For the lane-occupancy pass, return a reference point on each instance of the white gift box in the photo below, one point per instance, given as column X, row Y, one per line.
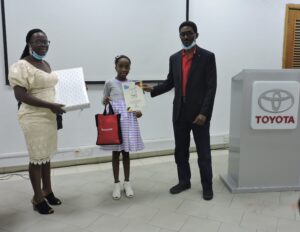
column 71, row 90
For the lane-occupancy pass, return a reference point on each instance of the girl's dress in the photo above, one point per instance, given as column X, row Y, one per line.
column 132, row 140
column 38, row 124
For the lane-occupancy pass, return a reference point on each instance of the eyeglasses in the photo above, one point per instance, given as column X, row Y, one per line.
column 41, row 43
column 188, row 34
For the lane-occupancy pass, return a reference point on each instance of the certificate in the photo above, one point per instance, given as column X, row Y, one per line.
column 70, row 89
column 134, row 96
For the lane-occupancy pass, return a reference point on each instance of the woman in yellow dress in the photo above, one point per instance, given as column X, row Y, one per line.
column 33, row 83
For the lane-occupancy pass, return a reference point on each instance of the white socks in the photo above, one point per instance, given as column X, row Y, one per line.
column 127, row 189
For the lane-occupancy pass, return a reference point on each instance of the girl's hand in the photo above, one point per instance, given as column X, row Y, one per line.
column 106, row 100
column 138, row 114
column 57, row 108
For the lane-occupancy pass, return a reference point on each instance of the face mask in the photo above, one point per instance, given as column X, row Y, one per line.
column 190, row 46
column 35, row 55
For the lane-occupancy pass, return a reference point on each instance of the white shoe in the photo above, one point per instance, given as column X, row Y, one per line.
column 117, row 191
column 128, row 189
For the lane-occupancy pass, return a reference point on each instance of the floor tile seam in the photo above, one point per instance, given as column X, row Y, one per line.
column 196, row 216
column 86, row 227
column 173, row 211
column 204, row 218
column 280, row 217
column 148, row 223
column 259, row 212
column 140, row 223
column 124, row 227
column 220, row 226
column 157, row 211
column 224, row 222
column 259, row 227
column 277, row 224
column 185, row 221
column 142, row 205
column 104, row 214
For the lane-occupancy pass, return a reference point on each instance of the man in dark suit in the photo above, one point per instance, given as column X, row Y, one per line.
column 192, row 72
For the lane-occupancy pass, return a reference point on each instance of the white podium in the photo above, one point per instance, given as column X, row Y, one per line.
column 264, row 147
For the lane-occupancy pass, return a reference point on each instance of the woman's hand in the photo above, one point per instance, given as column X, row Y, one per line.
column 106, row 100
column 57, row 108
column 138, row 114
column 22, row 95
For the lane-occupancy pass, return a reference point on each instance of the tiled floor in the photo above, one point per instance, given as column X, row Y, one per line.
column 89, row 207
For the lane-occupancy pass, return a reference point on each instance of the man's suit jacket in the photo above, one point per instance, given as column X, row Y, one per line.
column 201, row 84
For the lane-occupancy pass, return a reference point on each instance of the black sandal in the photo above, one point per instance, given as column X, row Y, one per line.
column 42, row 207
column 52, row 200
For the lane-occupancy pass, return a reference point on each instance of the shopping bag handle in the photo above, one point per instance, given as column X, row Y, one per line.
column 110, row 109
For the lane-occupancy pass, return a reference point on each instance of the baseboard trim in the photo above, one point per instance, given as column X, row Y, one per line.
column 93, row 155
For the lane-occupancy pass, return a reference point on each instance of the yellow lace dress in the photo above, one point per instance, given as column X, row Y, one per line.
column 38, row 124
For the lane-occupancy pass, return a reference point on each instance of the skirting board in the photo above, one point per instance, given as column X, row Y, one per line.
column 14, row 162
column 233, row 188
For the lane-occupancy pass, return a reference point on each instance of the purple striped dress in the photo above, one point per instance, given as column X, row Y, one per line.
column 132, row 140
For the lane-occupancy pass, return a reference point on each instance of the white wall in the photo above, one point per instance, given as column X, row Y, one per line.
column 79, row 133
column 243, row 34
column 132, row 24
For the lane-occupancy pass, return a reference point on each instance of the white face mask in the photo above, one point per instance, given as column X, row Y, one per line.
column 190, row 46
column 35, row 55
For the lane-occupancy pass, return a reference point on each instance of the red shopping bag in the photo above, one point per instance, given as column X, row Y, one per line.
column 108, row 127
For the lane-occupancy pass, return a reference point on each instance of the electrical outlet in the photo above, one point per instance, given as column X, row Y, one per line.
column 81, row 152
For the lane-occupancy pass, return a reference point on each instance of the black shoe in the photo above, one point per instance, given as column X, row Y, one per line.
column 52, row 200
column 180, row 187
column 42, row 207
column 208, row 194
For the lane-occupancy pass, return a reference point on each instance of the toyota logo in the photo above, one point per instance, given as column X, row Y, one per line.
column 276, row 101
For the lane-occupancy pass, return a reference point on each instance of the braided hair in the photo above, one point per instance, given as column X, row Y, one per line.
column 117, row 58
column 28, row 37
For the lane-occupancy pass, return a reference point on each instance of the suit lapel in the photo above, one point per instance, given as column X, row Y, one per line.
column 195, row 63
column 178, row 65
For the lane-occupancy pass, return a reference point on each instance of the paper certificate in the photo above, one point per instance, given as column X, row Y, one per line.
column 134, row 96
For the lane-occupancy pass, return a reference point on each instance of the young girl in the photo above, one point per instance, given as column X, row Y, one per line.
column 132, row 140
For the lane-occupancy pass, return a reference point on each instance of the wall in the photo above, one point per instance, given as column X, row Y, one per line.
column 242, row 35
column 74, row 38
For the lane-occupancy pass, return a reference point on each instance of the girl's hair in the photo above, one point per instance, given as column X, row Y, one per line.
column 28, row 37
column 117, row 58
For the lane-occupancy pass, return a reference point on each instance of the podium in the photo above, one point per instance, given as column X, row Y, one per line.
column 264, row 146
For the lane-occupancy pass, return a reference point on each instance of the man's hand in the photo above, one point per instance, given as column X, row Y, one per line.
column 106, row 100
column 147, row 88
column 138, row 114
column 200, row 120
